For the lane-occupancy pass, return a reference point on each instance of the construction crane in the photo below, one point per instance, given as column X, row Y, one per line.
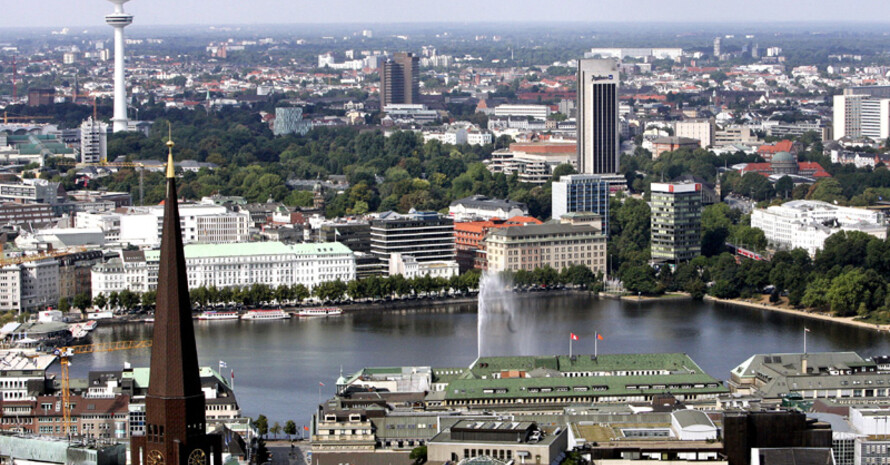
column 7, row 118
column 120, row 164
column 65, row 354
column 36, row 257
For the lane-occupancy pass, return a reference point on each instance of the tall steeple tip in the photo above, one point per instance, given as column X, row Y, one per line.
column 171, row 171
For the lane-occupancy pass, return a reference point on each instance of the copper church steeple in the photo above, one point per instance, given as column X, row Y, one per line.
column 175, row 426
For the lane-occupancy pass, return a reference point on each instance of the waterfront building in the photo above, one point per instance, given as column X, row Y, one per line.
column 806, row 224
column 676, row 221
column 598, row 126
column 399, row 80
column 537, row 246
column 533, row 162
column 427, row 236
column 30, row 285
column 469, row 238
column 175, row 407
column 483, row 208
column 410, row 268
column 533, row 111
column 231, row 265
column 75, row 276
column 353, row 234
column 93, row 141
column 289, row 120
column 842, row 376
column 582, row 193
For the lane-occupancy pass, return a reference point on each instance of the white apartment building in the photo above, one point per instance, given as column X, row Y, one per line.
column 30, row 190
column 29, row 285
column 806, row 224
column 555, row 245
column 93, row 141
column 109, row 223
column 232, row 265
column 535, row 111
column 861, row 116
column 18, row 370
column 410, row 268
column 204, row 224
column 702, row 129
column 459, row 136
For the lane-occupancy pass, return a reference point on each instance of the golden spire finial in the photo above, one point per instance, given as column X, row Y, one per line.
column 171, row 171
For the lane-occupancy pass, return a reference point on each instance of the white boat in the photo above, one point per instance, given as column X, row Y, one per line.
column 213, row 316
column 265, row 315
column 149, row 320
column 320, row 311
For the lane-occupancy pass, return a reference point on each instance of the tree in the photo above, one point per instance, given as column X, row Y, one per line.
column 290, row 429
column 63, row 305
column 100, row 301
column 148, row 298
column 275, row 429
column 262, row 425
column 418, row 455
column 564, row 169
column 82, row 301
column 114, row 299
column 827, row 190
column 128, row 299
column 640, row 279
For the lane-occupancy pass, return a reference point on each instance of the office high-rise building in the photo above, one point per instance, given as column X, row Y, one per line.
column 582, row 193
column 717, row 47
column 598, row 126
column 676, row 221
column 399, row 80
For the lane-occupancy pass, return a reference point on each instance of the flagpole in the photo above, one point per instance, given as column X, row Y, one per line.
column 804, row 340
column 570, row 346
column 596, row 336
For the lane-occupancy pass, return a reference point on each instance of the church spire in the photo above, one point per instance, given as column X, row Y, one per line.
column 174, row 407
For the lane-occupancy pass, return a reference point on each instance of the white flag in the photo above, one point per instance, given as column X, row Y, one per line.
column 222, row 364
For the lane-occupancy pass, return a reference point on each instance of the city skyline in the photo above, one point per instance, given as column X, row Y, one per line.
column 59, row 13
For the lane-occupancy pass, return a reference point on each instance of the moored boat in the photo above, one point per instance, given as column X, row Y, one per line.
column 320, row 311
column 213, row 316
column 276, row 314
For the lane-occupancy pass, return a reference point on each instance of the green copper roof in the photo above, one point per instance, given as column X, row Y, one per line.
column 255, row 248
column 586, row 363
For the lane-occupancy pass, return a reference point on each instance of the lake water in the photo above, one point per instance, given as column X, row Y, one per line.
column 279, row 364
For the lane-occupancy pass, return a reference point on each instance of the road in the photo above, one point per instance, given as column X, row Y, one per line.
column 282, row 454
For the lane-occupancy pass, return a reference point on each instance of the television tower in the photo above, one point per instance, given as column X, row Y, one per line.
column 119, row 20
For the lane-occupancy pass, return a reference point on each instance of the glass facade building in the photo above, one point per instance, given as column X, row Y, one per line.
column 676, row 221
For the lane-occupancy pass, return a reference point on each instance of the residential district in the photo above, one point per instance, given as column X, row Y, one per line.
column 613, row 169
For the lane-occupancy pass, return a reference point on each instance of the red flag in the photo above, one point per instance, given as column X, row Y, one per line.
column 321, row 384
column 233, row 373
column 573, row 336
column 306, row 428
column 599, row 337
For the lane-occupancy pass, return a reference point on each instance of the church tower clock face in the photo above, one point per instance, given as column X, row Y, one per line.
column 155, row 457
column 197, row 457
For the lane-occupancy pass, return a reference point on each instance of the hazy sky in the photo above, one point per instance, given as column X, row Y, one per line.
column 79, row 13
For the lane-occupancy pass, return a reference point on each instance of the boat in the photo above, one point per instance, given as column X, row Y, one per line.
column 149, row 320
column 213, row 316
column 320, row 311
column 277, row 314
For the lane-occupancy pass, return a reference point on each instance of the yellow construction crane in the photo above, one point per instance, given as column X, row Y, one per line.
column 37, row 257
column 65, row 353
column 118, row 164
column 7, row 118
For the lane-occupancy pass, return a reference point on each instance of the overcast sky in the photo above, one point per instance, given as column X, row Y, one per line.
column 61, row 13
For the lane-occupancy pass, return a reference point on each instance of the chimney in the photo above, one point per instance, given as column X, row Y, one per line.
column 803, row 365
